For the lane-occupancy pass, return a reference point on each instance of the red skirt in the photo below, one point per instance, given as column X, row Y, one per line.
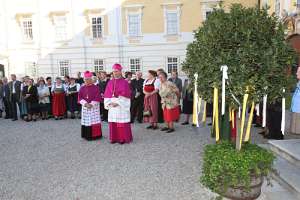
column 58, row 104
column 171, row 115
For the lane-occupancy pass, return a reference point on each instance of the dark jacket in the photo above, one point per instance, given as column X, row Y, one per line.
column 6, row 92
column 1, row 91
column 177, row 82
column 102, row 85
column 33, row 98
column 137, row 86
column 17, row 89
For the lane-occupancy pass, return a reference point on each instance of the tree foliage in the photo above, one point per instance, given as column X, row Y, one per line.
column 251, row 43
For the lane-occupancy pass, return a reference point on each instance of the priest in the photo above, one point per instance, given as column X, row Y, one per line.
column 117, row 101
column 89, row 98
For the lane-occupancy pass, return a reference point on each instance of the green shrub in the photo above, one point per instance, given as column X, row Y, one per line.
column 225, row 167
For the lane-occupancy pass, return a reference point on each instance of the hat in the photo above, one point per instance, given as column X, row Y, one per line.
column 88, row 74
column 117, row 67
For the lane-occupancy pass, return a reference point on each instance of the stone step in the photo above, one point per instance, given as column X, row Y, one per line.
column 288, row 175
column 287, row 149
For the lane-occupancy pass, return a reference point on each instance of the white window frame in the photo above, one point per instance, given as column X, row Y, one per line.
column 67, row 66
column 172, row 63
column 139, row 31
column 172, row 11
column 91, row 26
column 61, row 26
column 27, row 32
column 31, row 69
column 97, row 65
column 133, row 66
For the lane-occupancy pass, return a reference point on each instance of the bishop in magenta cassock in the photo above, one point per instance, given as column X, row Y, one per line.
column 89, row 98
column 117, row 101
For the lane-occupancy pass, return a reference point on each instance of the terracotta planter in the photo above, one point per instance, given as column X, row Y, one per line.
column 240, row 192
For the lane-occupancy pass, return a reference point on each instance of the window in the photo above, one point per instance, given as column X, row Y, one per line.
column 298, row 3
column 27, row 29
column 60, row 28
column 207, row 13
column 172, row 23
column 64, row 68
column 277, row 7
column 134, row 25
column 97, row 27
column 98, row 65
column 135, row 64
column 172, row 64
column 31, row 69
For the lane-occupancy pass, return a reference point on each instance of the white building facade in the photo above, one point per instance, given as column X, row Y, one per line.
column 63, row 37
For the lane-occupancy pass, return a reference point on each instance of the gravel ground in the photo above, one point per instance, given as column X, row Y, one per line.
column 48, row 160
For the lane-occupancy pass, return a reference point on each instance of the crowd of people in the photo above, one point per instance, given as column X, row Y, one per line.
column 117, row 98
column 153, row 99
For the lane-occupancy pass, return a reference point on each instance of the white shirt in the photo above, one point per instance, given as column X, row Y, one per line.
column 13, row 87
column 156, row 83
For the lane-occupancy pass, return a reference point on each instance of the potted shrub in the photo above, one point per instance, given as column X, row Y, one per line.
column 235, row 174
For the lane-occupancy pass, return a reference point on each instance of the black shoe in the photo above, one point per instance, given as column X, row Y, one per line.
column 154, row 127
column 170, row 130
column 14, row 119
column 56, row 118
column 185, row 123
column 149, row 127
column 164, row 129
column 34, row 120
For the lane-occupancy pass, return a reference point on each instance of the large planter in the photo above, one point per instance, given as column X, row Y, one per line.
column 240, row 192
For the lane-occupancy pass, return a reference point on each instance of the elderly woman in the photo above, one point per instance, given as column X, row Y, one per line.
column 44, row 99
column 295, row 122
column 169, row 94
column 89, row 98
column 58, row 99
column 150, row 89
column 30, row 94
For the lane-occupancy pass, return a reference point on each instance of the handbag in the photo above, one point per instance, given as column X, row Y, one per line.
column 147, row 113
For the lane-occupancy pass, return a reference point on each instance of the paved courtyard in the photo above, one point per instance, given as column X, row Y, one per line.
column 48, row 160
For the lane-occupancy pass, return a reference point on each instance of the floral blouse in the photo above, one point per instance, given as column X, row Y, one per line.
column 168, row 93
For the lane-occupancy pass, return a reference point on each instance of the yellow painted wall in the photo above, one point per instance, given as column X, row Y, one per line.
column 191, row 13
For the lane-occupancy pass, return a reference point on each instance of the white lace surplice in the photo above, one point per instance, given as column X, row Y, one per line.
column 121, row 113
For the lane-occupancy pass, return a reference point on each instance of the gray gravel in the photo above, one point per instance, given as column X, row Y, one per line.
column 48, row 160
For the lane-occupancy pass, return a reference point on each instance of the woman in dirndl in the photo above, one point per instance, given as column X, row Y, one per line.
column 169, row 98
column 295, row 108
column 58, row 99
column 72, row 97
column 151, row 86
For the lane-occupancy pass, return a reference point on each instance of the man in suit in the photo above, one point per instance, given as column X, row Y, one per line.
column 15, row 95
column 137, row 106
column 6, row 98
column 102, row 83
column 177, row 81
